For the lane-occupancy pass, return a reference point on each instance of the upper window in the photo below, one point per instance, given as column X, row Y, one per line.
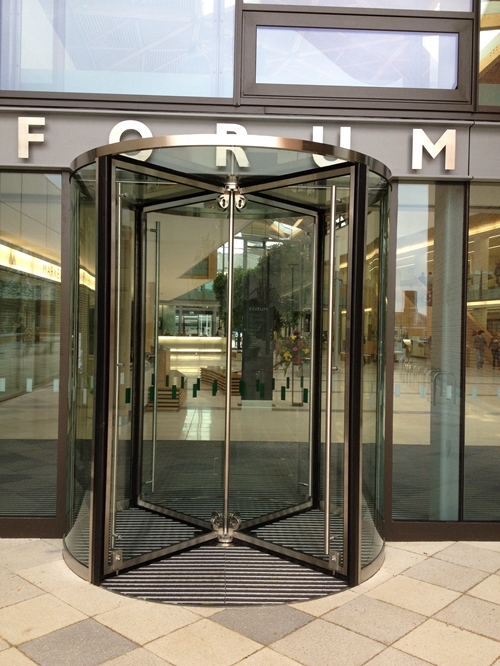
column 417, row 5
column 489, row 59
column 341, row 55
column 360, row 58
column 129, row 47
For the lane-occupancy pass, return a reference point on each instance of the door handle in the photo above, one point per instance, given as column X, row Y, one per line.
column 329, row 377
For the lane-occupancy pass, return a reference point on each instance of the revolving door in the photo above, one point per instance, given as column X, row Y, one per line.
column 227, row 371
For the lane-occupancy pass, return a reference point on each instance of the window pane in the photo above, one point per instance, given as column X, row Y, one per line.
column 427, row 339
column 489, row 57
column 482, row 406
column 30, row 301
column 419, row 5
column 359, row 58
column 128, row 47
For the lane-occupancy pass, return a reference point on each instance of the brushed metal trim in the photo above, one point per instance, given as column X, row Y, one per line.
column 233, row 141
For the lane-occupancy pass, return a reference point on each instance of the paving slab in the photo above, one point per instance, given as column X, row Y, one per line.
column 392, row 657
column 50, row 576
column 36, row 617
column 12, row 657
column 398, row 560
column 143, row 621
column 86, row 643
column 267, row 657
column 422, row 547
column 445, row 645
column 414, row 595
column 264, row 624
column 483, row 559
column 138, row 657
column 488, row 589
column 376, row 619
column 204, row 643
column 481, row 617
column 25, row 555
column 14, row 589
column 446, row 574
column 319, row 607
column 321, row 643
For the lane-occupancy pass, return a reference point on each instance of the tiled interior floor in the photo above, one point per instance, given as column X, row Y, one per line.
column 431, row 603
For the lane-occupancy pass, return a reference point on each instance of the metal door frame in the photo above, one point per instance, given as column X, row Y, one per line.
column 105, row 311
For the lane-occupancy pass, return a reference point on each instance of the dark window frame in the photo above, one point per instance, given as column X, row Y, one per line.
column 256, row 93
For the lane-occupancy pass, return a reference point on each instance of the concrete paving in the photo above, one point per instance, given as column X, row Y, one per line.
column 431, row 603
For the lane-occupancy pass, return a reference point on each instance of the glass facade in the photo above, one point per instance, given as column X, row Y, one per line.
column 358, row 58
column 482, row 356
column 489, row 63
column 118, row 47
column 418, row 5
column 427, row 351
column 30, row 301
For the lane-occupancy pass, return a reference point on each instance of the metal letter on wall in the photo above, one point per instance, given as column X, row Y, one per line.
column 115, row 136
column 447, row 141
column 345, row 142
column 221, row 151
column 24, row 138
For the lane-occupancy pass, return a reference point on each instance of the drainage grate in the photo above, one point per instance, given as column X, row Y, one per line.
column 224, row 576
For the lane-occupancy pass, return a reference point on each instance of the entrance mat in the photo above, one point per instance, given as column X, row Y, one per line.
column 215, row 575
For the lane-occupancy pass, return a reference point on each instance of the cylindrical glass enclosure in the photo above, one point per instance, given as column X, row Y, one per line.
column 228, row 365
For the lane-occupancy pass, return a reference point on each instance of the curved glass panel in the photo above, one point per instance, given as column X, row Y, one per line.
column 119, row 47
column 374, row 313
column 251, row 164
column 82, row 371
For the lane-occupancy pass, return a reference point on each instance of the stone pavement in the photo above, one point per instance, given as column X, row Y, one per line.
column 431, row 603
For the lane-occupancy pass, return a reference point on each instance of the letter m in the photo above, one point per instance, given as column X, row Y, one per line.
column 447, row 141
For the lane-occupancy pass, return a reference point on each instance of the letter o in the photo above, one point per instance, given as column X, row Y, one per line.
column 126, row 125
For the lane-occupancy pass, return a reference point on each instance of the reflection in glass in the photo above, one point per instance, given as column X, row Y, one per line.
column 185, row 365
column 118, row 47
column 82, row 371
column 419, row 5
column 489, row 62
column 482, row 401
column 427, row 352
column 374, row 369
column 269, row 456
column 30, row 301
column 357, row 58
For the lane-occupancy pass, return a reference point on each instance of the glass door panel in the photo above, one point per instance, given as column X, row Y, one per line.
column 272, row 314
column 151, row 254
column 185, row 361
column 314, row 480
column 121, row 545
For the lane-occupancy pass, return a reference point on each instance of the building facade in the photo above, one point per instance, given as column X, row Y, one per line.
column 415, row 85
